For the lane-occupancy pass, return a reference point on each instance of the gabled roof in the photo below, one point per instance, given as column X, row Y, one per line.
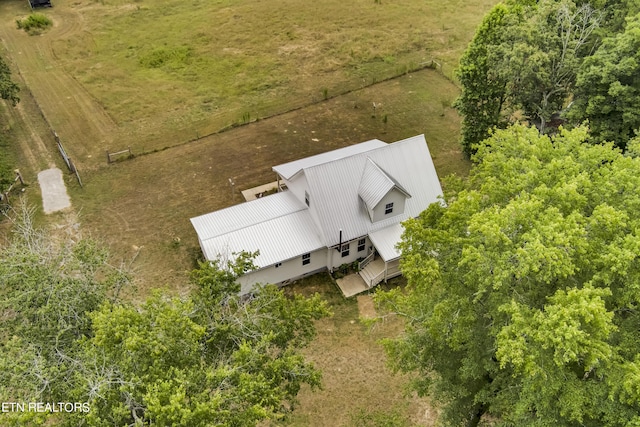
column 283, row 227
column 279, row 226
column 288, row 170
column 245, row 214
column 375, row 184
column 334, row 187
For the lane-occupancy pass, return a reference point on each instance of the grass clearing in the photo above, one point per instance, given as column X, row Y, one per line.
column 357, row 385
column 168, row 71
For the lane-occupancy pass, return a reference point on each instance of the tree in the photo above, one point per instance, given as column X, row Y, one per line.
column 483, row 86
column 543, row 55
column 8, row 89
column 214, row 359
column 608, row 87
column 523, row 62
column 211, row 358
column 48, row 285
column 523, row 291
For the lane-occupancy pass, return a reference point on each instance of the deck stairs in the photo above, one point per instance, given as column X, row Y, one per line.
column 373, row 272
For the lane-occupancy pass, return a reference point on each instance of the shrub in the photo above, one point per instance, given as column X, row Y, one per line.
column 34, row 23
column 176, row 57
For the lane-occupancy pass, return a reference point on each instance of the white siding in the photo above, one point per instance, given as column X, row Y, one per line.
column 338, row 259
column 289, row 270
column 394, row 196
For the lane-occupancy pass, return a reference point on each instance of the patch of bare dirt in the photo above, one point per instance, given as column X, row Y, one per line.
column 366, row 308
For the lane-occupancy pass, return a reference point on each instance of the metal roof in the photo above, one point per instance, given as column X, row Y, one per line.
column 282, row 227
column 288, row 170
column 279, row 226
column 375, row 184
column 385, row 241
column 246, row 214
column 334, row 187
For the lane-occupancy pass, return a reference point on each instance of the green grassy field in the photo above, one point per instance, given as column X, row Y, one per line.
column 169, row 71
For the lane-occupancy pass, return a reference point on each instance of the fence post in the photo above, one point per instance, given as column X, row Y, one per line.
column 19, row 176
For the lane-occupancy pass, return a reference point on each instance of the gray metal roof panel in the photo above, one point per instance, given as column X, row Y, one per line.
column 277, row 239
column 245, row 214
column 334, row 188
column 288, row 170
column 385, row 241
column 374, row 184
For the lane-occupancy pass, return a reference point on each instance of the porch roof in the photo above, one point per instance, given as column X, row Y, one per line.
column 385, row 241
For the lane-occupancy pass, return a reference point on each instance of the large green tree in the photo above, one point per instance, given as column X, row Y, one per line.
column 48, row 285
column 524, row 289
column 210, row 358
column 523, row 62
column 483, row 85
column 213, row 359
column 608, row 87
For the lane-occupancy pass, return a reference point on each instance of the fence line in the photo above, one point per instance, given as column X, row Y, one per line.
column 66, row 158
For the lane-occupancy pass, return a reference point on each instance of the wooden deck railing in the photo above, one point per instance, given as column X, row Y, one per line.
column 377, row 278
column 362, row 264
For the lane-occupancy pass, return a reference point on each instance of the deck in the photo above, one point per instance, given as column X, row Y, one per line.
column 368, row 277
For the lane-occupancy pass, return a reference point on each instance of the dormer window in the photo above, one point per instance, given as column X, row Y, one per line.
column 388, row 208
column 306, row 198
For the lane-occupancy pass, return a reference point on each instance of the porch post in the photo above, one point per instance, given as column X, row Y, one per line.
column 385, row 272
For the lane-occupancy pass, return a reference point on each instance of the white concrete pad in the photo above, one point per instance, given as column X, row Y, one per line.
column 54, row 192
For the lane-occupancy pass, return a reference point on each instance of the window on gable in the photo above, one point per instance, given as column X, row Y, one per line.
column 361, row 244
column 306, row 259
column 345, row 250
column 388, row 208
column 306, row 198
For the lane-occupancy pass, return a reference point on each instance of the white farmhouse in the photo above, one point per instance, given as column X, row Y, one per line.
column 332, row 208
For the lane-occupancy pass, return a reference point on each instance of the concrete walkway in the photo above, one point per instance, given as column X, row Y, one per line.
column 54, row 192
column 352, row 285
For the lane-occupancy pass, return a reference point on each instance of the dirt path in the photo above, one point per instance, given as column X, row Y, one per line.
column 67, row 106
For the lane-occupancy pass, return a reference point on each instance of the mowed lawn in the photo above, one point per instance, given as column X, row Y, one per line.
column 168, row 71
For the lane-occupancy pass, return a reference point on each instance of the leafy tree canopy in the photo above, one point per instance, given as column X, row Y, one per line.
column 213, row 358
column 608, row 87
column 524, row 290
column 524, row 61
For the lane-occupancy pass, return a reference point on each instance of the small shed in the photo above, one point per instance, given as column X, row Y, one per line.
column 39, row 3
